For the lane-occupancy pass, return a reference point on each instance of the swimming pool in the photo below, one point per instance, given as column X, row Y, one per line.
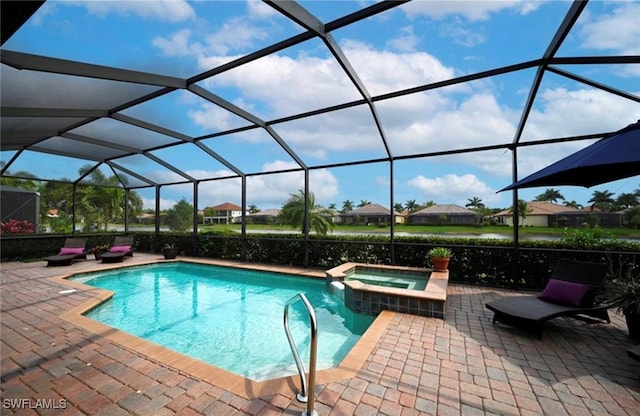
column 230, row 318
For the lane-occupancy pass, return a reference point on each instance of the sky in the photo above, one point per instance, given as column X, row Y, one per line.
column 411, row 45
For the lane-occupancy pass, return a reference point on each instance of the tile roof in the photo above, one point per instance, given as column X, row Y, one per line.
column 370, row 209
column 448, row 209
column 541, row 208
column 266, row 212
column 227, row 206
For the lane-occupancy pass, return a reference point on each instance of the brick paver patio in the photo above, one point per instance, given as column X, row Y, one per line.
column 462, row 365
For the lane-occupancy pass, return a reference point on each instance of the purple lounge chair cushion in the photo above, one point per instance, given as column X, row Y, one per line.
column 120, row 249
column 70, row 250
column 564, row 293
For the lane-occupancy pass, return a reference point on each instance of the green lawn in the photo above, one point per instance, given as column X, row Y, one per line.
column 427, row 229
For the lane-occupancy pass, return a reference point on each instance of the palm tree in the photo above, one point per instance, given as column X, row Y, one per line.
column 98, row 205
column 135, row 204
column 523, row 209
column 293, row 211
column 602, row 200
column 253, row 209
column 550, row 195
column 474, row 202
column 410, row 205
column 332, row 207
column 572, row 204
column 363, row 203
column 347, row 206
column 28, row 184
column 56, row 195
column 633, row 216
column 397, row 207
column 627, row 200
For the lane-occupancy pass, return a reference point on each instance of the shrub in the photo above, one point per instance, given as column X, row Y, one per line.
column 585, row 237
column 17, row 227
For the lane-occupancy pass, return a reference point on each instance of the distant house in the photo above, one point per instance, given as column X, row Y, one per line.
column 331, row 214
column 539, row 214
column 371, row 214
column 266, row 216
column 445, row 214
column 147, row 218
column 590, row 217
column 226, row 213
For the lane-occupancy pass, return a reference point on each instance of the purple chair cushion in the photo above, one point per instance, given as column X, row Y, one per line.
column 120, row 249
column 564, row 293
column 71, row 250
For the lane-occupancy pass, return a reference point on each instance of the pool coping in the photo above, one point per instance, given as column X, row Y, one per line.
column 226, row 380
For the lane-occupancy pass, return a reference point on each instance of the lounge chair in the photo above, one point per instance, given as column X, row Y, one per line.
column 74, row 249
column 120, row 249
column 571, row 291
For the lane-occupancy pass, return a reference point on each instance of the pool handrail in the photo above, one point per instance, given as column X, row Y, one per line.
column 306, row 394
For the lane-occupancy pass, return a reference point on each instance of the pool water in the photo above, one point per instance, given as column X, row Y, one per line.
column 228, row 317
column 401, row 280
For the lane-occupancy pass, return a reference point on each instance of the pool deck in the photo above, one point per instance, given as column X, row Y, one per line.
column 406, row 365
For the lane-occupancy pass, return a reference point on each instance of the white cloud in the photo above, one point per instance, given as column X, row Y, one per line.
column 473, row 122
column 467, row 115
column 235, row 35
column 561, row 112
column 460, row 33
column 258, row 9
column 471, row 10
column 211, row 117
column 275, row 189
column 212, row 193
column 456, row 188
column 45, row 10
column 177, row 44
column 383, row 71
column 326, row 138
column 406, row 40
column 167, row 11
column 212, row 45
column 281, row 84
column 618, row 31
column 456, row 16
column 383, row 181
column 150, row 203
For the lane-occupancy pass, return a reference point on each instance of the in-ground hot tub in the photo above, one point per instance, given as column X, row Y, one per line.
column 371, row 288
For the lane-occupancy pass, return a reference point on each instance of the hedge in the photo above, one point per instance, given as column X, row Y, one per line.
column 491, row 262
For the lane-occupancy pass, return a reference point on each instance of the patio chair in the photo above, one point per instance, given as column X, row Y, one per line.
column 121, row 248
column 74, row 249
column 571, row 291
